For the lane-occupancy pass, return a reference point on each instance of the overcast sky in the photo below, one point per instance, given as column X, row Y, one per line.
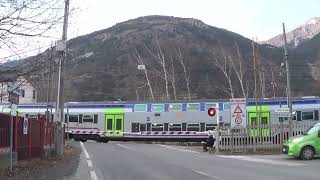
column 250, row 18
column 260, row 19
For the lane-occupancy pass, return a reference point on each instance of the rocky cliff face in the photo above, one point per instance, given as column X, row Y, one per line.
column 302, row 33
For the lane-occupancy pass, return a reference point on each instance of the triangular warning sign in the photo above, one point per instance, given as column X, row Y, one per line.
column 238, row 110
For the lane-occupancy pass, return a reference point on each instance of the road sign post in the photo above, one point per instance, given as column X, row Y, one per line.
column 238, row 112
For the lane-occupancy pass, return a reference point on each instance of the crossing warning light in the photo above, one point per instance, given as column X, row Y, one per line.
column 211, row 112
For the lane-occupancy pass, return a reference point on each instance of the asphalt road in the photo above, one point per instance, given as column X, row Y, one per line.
column 130, row 161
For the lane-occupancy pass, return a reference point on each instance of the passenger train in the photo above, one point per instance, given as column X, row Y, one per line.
column 166, row 121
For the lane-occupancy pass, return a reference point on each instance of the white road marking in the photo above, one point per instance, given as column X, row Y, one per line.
column 93, row 175
column 265, row 161
column 89, row 163
column 85, row 151
column 205, row 174
column 184, row 150
column 124, row 146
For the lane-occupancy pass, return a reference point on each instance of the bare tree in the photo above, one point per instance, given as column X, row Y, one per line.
column 223, row 65
column 160, row 58
column 185, row 71
column 238, row 68
column 140, row 61
column 23, row 19
column 173, row 78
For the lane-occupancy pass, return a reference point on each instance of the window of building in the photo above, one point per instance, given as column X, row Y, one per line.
column 140, row 108
column 193, row 107
column 157, row 127
column 22, row 93
column 193, row 127
column 73, row 118
column 210, row 105
column 87, row 118
column 210, row 127
column 34, row 94
column 175, row 127
column 175, row 107
column 307, row 115
column 157, row 107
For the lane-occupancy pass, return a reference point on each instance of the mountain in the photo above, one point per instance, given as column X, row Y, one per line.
column 302, row 33
column 204, row 59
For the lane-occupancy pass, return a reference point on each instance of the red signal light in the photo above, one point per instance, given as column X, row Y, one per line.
column 211, row 112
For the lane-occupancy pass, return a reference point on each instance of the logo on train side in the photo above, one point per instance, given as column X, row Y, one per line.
column 148, row 118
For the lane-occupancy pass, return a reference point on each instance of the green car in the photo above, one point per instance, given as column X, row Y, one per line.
column 305, row 146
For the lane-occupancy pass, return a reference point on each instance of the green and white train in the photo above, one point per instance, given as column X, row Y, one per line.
column 166, row 121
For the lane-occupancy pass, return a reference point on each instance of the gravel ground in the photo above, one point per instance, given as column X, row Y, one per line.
column 53, row 168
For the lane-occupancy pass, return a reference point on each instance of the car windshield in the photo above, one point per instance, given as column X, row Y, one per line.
column 312, row 130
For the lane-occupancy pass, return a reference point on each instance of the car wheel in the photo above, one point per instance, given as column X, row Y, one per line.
column 307, row 153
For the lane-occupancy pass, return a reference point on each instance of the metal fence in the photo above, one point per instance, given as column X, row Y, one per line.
column 30, row 137
column 259, row 137
column 4, row 131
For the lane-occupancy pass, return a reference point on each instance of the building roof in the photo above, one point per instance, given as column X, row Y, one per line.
column 13, row 75
column 8, row 75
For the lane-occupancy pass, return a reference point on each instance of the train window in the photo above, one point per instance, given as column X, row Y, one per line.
column 87, row 118
column 253, row 121
column 118, row 124
column 294, row 117
column 210, row 105
column 109, row 124
column 210, row 127
column 193, row 107
column 157, row 107
column 281, row 119
column 175, row 107
column 202, row 127
column 175, row 127
column 307, row 115
column 193, row 127
column 226, row 106
column 96, row 118
column 140, row 108
column 264, row 120
column 143, row 127
column 135, row 127
column 316, row 115
column 157, row 127
column 73, row 118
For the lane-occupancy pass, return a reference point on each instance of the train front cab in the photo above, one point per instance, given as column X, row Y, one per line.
column 258, row 121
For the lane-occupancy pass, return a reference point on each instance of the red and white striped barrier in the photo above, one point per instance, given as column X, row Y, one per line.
column 96, row 131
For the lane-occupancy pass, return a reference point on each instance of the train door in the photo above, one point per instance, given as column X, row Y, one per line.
column 264, row 119
column 114, row 123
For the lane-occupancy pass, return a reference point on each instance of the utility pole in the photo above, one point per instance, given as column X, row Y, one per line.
column 285, row 46
column 60, row 101
column 48, row 114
